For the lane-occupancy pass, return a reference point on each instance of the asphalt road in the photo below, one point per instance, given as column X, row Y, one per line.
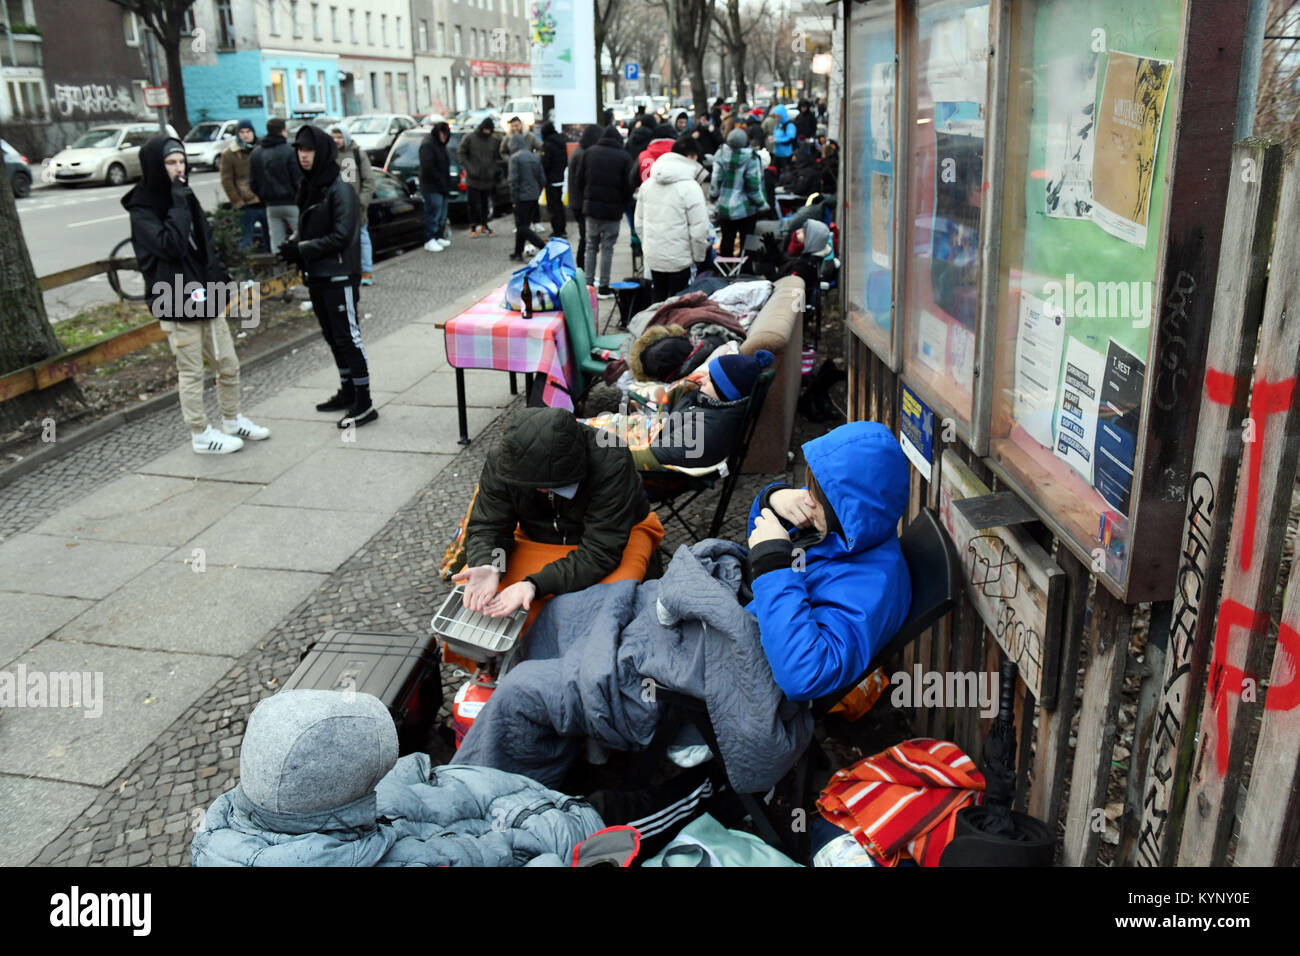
column 70, row 226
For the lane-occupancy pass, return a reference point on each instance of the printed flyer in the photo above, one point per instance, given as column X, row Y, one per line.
column 1040, row 339
column 1117, row 426
column 1128, row 135
column 1076, row 420
column 882, row 112
column 1071, row 129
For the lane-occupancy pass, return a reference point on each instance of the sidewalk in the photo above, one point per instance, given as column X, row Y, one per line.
column 193, row 583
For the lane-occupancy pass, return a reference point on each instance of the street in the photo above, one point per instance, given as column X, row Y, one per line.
column 70, row 226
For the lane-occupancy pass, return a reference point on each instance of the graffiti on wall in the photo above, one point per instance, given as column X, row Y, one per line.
column 92, row 99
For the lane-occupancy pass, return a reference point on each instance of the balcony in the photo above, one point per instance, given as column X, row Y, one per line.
column 26, row 48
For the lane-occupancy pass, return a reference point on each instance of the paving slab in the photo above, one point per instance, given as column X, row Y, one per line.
column 28, row 619
column 297, row 539
column 140, row 694
column 171, row 607
column 300, row 404
column 70, row 567
column 34, row 812
column 393, row 366
column 148, row 509
column 257, row 462
column 421, row 428
column 483, row 389
column 352, row 479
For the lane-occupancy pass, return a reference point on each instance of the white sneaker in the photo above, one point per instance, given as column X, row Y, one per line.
column 243, row 428
column 433, row 245
column 212, row 442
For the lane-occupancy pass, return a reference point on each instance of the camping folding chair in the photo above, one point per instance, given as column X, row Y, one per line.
column 935, row 573
column 675, row 490
column 580, row 325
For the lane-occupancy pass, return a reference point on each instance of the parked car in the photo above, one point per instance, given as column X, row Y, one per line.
column 109, row 154
column 469, row 119
column 404, row 162
column 523, row 108
column 395, row 216
column 291, row 126
column 20, row 174
column 428, row 119
column 206, row 141
column 376, row 132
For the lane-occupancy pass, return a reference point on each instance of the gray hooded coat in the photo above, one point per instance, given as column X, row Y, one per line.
column 527, row 177
column 321, row 785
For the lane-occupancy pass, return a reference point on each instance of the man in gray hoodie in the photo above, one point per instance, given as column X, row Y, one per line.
column 527, row 182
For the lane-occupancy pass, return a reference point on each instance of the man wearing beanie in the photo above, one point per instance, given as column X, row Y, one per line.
column 274, row 175
column 235, row 180
column 738, row 190
column 844, row 525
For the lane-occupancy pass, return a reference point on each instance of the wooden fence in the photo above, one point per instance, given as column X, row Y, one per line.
column 1213, row 771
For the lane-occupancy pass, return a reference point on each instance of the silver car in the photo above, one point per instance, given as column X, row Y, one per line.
column 206, row 141
column 104, row 154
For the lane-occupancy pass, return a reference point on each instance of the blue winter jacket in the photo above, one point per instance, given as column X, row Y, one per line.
column 783, row 137
column 822, row 623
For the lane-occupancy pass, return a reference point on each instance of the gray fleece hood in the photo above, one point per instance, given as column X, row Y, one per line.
column 307, row 754
column 347, row 137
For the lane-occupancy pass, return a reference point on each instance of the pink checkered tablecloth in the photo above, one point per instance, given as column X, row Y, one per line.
column 488, row 335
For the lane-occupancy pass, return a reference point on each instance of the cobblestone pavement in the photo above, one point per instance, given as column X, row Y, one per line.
column 148, row 815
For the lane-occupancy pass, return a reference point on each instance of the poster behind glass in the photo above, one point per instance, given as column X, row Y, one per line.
column 945, row 179
column 1090, row 114
column 870, row 162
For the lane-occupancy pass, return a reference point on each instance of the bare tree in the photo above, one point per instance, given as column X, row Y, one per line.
column 25, row 333
column 649, row 25
column 165, row 19
column 773, row 39
column 736, row 30
column 620, row 35
column 1277, row 108
column 692, row 25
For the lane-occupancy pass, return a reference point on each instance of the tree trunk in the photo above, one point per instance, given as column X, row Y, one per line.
column 175, row 82
column 699, row 90
column 738, row 56
column 25, row 333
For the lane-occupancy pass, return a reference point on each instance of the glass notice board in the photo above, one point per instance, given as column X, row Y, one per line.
column 1089, row 118
column 947, row 108
column 870, row 166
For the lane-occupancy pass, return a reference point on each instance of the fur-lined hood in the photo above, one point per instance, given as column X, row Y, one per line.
column 651, row 335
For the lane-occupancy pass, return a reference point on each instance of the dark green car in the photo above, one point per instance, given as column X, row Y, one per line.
column 404, row 162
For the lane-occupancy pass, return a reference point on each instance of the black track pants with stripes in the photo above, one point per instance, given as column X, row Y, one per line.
column 336, row 310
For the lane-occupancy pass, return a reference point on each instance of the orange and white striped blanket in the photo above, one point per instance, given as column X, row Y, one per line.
column 903, row 802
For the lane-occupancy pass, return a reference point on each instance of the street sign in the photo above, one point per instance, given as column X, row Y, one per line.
column 631, row 71
column 157, row 97
column 250, row 102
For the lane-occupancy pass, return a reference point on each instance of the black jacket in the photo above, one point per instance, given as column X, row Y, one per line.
column 172, row 238
column 435, row 164
column 590, row 136
column 547, row 448
column 329, row 216
column 273, row 171
column 604, row 178
column 805, row 123
column 479, row 156
column 555, row 153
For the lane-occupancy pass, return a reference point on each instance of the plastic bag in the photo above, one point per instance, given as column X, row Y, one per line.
column 546, row 274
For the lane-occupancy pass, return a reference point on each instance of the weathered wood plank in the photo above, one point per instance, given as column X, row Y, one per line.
column 1103, row 684
column 1243, row 263
column 1152, row 670
column 1270, row 822
column 1271, row 435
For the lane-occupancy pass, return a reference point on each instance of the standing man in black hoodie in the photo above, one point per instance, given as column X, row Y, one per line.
column 327, row 247
column 182, row 272
column 590, row 136
column 605, row 182
column 435, row 185
column 477, row 155
column 274, row 174
column 555, row 154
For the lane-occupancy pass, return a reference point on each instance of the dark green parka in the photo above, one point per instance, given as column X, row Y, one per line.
column 547, row 448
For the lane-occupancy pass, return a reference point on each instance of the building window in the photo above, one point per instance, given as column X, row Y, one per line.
column 456, row 42
column 397, row 32
column 442, row 38
column 352, row 24
column 316, row 32
column 187, row 22
column 446, row 96
column 300, row 87
column 423, row 31
column 225, row 25
column 275, row 19
column 131, row 27
column 489, row 3
column 334, row 24
column 383, row 27
column 473, row 42
column 319, row 96
column 370, row 28
column 428, row 96
column 334, row 99
column 293, row 18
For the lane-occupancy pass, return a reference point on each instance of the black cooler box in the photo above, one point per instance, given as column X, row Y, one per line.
column 399, row 669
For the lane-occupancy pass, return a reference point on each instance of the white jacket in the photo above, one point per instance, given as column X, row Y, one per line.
column 672, row 218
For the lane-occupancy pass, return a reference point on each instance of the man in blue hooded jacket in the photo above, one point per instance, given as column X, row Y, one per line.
column 783, row 136
column 831, row 597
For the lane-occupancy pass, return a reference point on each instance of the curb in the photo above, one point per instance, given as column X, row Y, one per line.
column 88, row 433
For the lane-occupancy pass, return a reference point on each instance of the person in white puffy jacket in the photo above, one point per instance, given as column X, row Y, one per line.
column 672, row 219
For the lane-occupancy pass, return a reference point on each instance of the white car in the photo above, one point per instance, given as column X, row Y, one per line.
column 108, row 153
column 206, row 141
column 376, row 132
column 523, row 108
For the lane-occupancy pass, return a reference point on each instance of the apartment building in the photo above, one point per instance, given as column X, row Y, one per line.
column 470, row 54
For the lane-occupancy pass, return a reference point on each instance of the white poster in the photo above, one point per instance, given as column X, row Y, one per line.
column 957, row 70
column 1039, row 341
column 882, row 112
column 932, row 343
column 1076, row 419
column 962, row 361
column 1071, row 135
column 562, row 40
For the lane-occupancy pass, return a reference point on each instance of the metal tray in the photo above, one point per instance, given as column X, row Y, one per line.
column 473, row 634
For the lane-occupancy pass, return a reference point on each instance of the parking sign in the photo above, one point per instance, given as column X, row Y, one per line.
column 631, row 71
